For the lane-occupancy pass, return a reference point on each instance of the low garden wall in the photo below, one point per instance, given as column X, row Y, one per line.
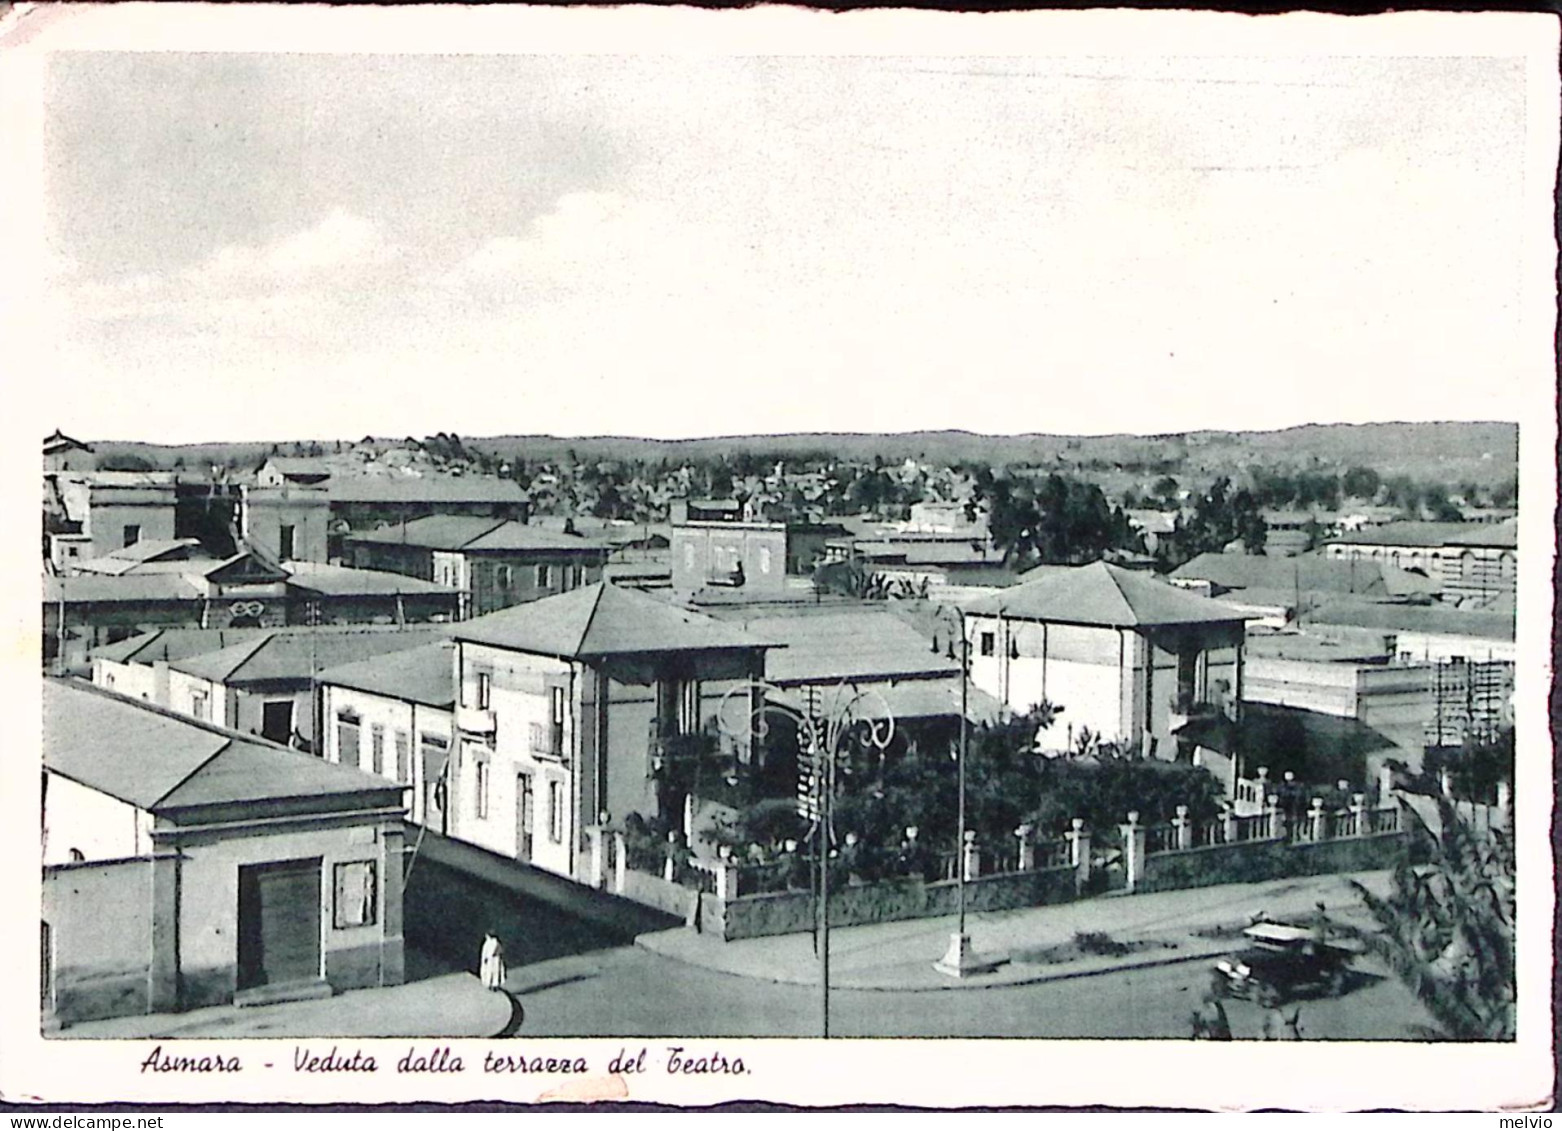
column 1270, row 859
column 781, row 913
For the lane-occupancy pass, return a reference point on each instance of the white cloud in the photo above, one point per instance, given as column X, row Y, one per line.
column 339, row 241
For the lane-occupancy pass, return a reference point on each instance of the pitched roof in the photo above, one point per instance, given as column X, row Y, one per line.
column 602, row 620
column 1107, row 595
column 60, row 442
column 174, row 644
column 1432, row 534
column 342, row 581
column 297, row 654
column 851, row 643
column 912, row 699
column 433, row 489
column 127, row 558
column 433, row 532
column 303, row 465
column 156, row 760
column 522, row 536
column 91, row 589
column 1437, row 619
column 417, row 675
column 1305, row 572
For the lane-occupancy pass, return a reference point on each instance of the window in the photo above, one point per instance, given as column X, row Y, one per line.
column 198, row 705
column 504, row 577
column 544, row 576
column 353, row 895
column 556, row 812
column 403, row 757
column 482, row 789
column 485, row 684
column 285, row 542
column 989, row 644
column 132, row 534
column 347, row 741
column 377, row 748
column 580, row 576
column 276, row 720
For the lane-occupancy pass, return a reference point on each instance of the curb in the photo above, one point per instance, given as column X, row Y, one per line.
column 1040, row 976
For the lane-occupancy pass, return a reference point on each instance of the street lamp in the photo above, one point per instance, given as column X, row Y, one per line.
column 958, row 960
column 823, row 733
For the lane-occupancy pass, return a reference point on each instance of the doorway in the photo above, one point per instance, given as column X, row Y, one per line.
column 279, row 923
column 276, row 720
column 524, row 820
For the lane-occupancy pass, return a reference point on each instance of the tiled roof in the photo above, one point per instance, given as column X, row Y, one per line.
column 429, row 488
column 174, row 644
column 1106, row 595
column 602, row 620
column 1304, row 572
column 433, row 532
column 126, row 558
column 61, row 442
column 521, row 536
column 340, row 581
column 1438, row 619
column 297, row 654
column 851, row 643
column 90, row 589
column 159, row 761
column 416, row 675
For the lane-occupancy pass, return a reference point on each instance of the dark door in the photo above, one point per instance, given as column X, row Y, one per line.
column 435, row 787
column 279, row 923
column 523, row 816
column 276, row 720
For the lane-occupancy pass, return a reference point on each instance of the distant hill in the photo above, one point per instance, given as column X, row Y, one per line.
column 1485, row 452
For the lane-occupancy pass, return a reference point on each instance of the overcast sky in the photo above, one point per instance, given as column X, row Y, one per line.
column 253, row 246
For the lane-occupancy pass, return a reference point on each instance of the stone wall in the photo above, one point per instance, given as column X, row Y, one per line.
column 100, row 920
column 780, row 913
column 1257, row 860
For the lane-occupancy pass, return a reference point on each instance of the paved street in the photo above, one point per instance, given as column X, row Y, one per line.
column 632, row 992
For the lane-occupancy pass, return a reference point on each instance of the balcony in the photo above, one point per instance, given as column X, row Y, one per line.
column 547, row 741
column 475, row 720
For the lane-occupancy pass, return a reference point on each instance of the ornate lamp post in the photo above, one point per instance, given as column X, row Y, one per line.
column 958, row 960
column 822, row 737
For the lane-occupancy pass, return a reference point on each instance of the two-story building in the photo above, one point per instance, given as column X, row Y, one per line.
column 496, row 563
column 570, row 707
column 393, row 715
column 1127, row 657
column 101, row 511
column 720, row 543
column 61, row 453
column 187, row 865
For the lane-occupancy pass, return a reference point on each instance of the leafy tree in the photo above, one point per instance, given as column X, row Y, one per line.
column 1360, row 483
column 127, row 461
column 1447, row 929
column 1219, row 518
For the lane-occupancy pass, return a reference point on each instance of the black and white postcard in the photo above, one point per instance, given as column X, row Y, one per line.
column 683, row 557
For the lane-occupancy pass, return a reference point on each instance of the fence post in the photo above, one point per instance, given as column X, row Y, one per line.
column 1079, row 853
column 1027, row 855
column 1315, row 820
column 1228, row 822
column 1272, row 829
column 596, row 835
column 970, row 857
column 726, row 875
column 1133, row 851
column 1182, row 830
column 1358, row 814
column 620, row 862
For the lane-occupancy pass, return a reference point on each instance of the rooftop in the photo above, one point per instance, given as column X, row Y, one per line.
column 417, row 675
column 90, row 589
column 127, row 558
column 602, row 620
column 428, row 488
column 157, row 761
column 174, row 644
column 290, row 655
column 341, row 581
column 1305, row 572
column 475, row 534
column 1435, row 534
column 1108, row 596
column 1436, row 619
column 59, row 442
column 851, row 643
column 912, row 699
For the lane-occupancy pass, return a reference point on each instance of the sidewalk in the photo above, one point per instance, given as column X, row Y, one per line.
column 1159, row 928
column 450, row 1005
